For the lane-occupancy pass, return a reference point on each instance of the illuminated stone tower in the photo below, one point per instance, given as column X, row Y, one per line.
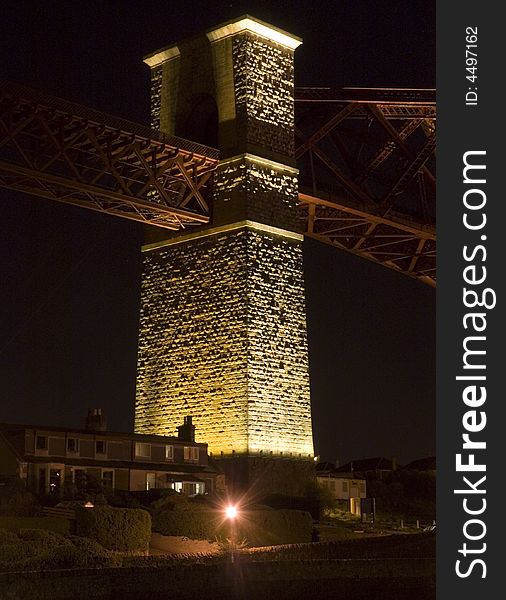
column 223, row 325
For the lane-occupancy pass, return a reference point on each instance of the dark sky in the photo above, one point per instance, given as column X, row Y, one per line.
column 70, row 278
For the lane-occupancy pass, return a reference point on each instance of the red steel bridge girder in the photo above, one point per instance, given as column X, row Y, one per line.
column 367, row 184
column 365, row 155
column 65, row 152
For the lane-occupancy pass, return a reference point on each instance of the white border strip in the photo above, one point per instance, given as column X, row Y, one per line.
column 257, row 27
column 222, row 229
column 153, row 60
column 259, row 160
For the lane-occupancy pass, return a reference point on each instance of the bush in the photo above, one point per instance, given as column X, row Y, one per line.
column 57, row 524
column 272, row 527
column 123, row 529
column 33, row 549
column 197, row 525
column 260, row 527
column 16, row 500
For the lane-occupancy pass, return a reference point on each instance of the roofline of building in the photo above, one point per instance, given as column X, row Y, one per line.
column 132, row 436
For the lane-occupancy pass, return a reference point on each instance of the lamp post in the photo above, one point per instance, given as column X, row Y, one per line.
column 231, row 514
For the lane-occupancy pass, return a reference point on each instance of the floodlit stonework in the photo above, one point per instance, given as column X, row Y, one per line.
column 223, row 326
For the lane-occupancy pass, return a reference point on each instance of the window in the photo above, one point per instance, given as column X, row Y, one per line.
column 169, row 452
column 150, row 481
column 41, row 442
column 193, row 489
column 345, row 486
column 178, row 486
column 108, row 479
column 79, row 476
column 361, row 487
column 191, row 453
column 143, row 450
column 72, row 445
column 100, row 447
column 55, row 481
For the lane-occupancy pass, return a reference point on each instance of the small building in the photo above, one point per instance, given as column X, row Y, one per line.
column 49, row 458
column 377, row 467
column 427, row 464
column 346, row 488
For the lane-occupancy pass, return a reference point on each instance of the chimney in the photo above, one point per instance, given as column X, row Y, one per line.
column 96, row 420
column 186, row 432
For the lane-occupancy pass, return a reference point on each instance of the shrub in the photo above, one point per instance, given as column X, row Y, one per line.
column 15, row 500
column 320, row 499
column 194, row 524
column 40, row 550
column 124, row 529
column 259, row 527
column 57, row 524
column 272, row 527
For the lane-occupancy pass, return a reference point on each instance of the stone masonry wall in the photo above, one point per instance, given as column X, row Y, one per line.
column 192, row 357
column 223, row 327
column 223, row 338
column 248, row 190
column 156, row 96
column 264, row 93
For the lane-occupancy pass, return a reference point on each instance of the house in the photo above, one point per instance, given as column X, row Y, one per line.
column 366, row 467
column 49, row 458
column 346, row 488
column 427, row 464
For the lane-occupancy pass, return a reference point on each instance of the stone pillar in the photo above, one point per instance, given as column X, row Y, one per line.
column 223, row 325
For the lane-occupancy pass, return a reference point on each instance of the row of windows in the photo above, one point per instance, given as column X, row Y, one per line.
column 333, row 485
column 142, row 450
column 51, row 480
column 41, row 443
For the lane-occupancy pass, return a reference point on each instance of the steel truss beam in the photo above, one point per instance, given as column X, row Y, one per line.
column 367, row 173
column 65, row 152
column 398, row 244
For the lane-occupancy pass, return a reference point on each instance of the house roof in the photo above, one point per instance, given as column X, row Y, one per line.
column 378, row 463
column 423, row 464
column 123, row 464
column 339, row 475
column 138, row 437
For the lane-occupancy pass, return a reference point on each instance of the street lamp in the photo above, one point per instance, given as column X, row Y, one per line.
column 231, row 515
column 231, row 512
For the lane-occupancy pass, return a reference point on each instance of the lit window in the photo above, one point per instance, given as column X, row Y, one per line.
column 178, row 486
column 143, row 450
column 100, row 447
column 190, row 489
column 41, row 442
column 72, row 445
column 191, row 453
column 108, row 479
column 150, row 481
column 169, row 452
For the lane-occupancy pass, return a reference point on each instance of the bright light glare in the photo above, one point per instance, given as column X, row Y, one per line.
column 231, row 512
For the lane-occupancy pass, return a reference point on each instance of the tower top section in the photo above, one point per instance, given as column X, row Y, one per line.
column 243, row 24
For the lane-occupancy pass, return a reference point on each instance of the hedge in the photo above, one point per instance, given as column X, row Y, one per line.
column 123, row 529
column 257, row 527
column 57, row 524
column 38, row 549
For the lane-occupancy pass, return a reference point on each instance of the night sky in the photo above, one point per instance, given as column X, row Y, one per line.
column 70, row 278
